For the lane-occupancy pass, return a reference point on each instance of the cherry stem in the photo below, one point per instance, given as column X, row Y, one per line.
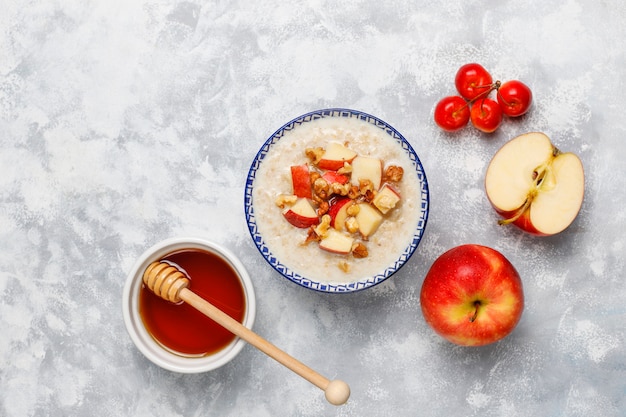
column 506, row 103
column 490, row 88
column 477, row 305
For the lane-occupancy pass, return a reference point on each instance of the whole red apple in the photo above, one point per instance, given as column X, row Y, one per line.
column 472, row 296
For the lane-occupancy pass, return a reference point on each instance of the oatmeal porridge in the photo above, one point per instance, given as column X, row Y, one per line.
column 301, row 239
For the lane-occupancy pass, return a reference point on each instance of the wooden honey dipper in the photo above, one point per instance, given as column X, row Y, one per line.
column 169, row 283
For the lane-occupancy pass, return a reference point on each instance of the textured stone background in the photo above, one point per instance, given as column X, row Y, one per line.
column 123, row 123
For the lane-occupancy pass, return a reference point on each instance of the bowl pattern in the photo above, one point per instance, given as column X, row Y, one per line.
column 365, row 282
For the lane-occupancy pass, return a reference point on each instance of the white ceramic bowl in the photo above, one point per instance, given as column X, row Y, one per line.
column 145, row 342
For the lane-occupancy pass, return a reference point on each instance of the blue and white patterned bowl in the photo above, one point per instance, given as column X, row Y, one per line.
column 299, row 277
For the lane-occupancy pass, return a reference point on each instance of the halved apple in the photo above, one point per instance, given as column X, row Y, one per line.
column 534, row 186
column 336, row 242
column 367, row 168
column 301, row 181
column 386, row 199
column 301, row 214
column 335, row 156
column 338, row 212
column 368, row 219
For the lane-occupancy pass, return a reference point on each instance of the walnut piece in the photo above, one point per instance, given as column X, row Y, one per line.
column 321, row 188
column 353, row 209
column 339, row 189
column 354, row 193
column 393, row 173
column 314, row 154
column 313, row 176
column 365, row 186
column 359, row 250
column 344, row 266
column 285, row 199
column 322, row 228
column 323, row 208
column 311, row 236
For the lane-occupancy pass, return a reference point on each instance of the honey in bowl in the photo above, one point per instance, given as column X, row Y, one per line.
column 180, row 327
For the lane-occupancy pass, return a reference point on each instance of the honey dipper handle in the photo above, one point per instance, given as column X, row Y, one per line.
column 336, row 391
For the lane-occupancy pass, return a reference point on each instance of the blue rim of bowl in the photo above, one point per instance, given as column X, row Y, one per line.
column 365, row 282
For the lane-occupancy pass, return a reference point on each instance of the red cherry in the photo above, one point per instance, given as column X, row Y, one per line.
column 515, row 98
column 473, row 79
column 486, row 115
column 452, row 113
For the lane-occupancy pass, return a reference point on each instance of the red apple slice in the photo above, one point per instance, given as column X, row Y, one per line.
column 301, row 214
column 386, row 199
column 332, row 177
column 336, row 242
column 338, row 212
column 300, row 179
column 368, row 219
column 533, row 185
column 367, row 168
column 335, row 156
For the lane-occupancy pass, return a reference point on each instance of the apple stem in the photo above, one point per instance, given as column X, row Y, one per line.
column 477, row 305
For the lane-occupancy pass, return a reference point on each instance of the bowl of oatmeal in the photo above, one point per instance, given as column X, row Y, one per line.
column 336, row 200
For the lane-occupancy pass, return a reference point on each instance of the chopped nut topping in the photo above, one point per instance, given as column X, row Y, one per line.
column 344, row 266
column 354, row 193
column 311, row 236
column 314, row 154
column 317, row 199
column 353, row 209
column 365, row 186
column 339, row 189
column 323, row 208
column 393, row 173
column 322, row 229
column 313, row 176
column 285, row 199
column 359, row 250
column 328, row 189
column 320, row 188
